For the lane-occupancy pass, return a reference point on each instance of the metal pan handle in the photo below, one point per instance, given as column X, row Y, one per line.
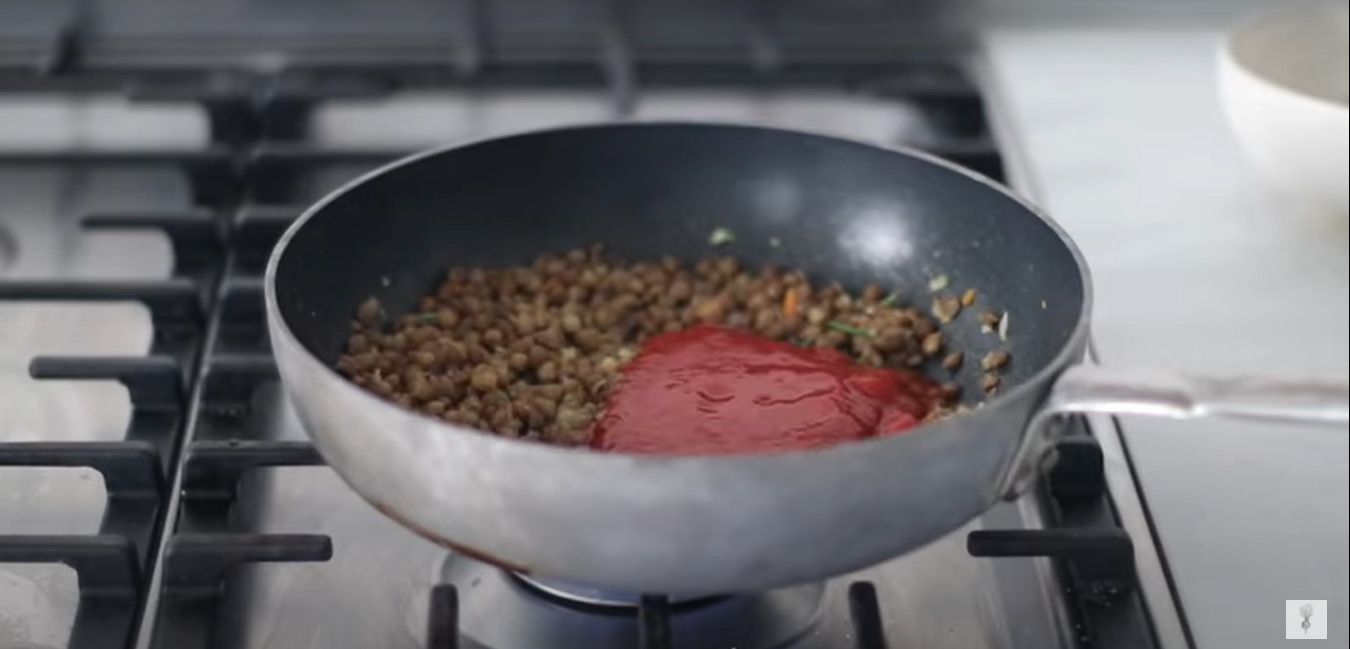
column 1088, row 389
column 1092, row 389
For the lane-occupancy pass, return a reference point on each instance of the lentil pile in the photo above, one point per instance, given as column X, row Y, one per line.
column 532, row 351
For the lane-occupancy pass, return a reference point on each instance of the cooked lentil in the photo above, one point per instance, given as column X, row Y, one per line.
column 532, row 351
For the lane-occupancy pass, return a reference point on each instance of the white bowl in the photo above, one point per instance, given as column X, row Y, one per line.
column 1283, row 80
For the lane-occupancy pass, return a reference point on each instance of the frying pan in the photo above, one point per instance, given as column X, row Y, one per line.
column 838, row 210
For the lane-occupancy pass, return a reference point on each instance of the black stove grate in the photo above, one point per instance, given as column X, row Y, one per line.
column 193, row 393
column 111, row 566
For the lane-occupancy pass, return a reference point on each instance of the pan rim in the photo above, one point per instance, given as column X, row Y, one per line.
column 1064, row 358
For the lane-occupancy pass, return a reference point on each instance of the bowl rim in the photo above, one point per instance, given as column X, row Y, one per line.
column 1229, row 53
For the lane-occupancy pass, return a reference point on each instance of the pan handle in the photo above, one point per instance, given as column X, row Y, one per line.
column 1093, row 389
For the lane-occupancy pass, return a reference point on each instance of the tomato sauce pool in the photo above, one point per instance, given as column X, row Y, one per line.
column 713, row 391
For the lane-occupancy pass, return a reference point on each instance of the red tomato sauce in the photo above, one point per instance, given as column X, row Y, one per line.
column 713, row 391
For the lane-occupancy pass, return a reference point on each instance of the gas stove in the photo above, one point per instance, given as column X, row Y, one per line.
column 157, row 491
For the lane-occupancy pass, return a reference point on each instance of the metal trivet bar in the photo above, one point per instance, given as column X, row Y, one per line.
column 1093, row 556
column 112, row 564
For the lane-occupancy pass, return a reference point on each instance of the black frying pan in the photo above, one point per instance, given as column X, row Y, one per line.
column 842, row 211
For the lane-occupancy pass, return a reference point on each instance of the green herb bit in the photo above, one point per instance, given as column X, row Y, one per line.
column 848, row 329
column 427, row 317
column 890, row 299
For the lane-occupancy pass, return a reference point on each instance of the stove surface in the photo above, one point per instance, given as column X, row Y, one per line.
column 268, row 549
column 40, row 239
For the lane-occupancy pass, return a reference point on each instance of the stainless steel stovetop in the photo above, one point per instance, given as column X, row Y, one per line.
column 110, row 252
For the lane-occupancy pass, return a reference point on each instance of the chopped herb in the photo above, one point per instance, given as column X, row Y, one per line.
column 890, row 299
column 848, row 329
column 427, row 317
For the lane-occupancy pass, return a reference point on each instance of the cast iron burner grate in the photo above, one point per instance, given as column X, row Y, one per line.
column 158, row 572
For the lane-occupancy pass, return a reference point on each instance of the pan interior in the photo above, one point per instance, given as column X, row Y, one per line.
column 838, row 210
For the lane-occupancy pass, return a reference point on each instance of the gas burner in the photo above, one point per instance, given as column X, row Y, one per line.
column 548, row 615
column 587, row 596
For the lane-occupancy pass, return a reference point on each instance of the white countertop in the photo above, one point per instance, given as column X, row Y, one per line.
column 1198, row 267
